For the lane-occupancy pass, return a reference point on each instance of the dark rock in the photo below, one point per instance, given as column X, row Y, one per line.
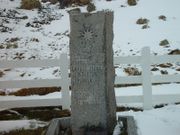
column 24, row 17
column 28, row 24
column 91, row 7
column 164, row 72
column 164, row 42
column 155, row 69
column 13, row 39
column 145, row 26
column 123, row 6
column 5, row 29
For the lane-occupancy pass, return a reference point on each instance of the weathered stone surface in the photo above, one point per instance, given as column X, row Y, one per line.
column 58, row 125
column 129, row 125
column 92, row 73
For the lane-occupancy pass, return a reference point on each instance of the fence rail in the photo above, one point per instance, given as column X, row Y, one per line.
column 30, row 63
column 146, row 79
column 34, row 101
column 62, row 82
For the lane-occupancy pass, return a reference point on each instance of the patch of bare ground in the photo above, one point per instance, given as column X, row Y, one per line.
column 2, row 93
column 132, row 2
column 39, row 113
column 30, row 4
column 144, row 22
column 165, row 65
column 35, row 91
column 132, row 71
column 38, row 131
column 135, row 109
column 174, row 52
column 122, row 109
column 43, row 113
column 1, row 73
column 162, row 17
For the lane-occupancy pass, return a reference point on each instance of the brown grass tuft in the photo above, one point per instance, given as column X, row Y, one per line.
column 2, row 93
column 84, row 2
column 35, row 91
column 174, row 52
column 1, row 73
column 43, row 113
column 162, row 17
column 8, row 115
column 132, row 71
column 142, row 21
column 30, row 4
column 38, row 131
column 131, row 2
column 165, row 65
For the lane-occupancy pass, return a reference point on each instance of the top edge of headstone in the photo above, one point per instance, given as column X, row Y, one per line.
column 77, row 11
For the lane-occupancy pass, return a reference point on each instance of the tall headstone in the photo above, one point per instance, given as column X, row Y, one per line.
column 92, row 73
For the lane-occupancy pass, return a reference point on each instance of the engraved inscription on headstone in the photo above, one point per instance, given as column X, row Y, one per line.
column 92, row 72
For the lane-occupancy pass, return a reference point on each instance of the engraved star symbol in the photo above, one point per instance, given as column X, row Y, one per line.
column 87, row 33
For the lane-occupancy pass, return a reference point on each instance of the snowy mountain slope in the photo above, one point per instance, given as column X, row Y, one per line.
column 33, row 34
column 44, row 34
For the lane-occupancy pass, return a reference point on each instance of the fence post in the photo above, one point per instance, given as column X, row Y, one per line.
column 64, row 66
column 146, row 78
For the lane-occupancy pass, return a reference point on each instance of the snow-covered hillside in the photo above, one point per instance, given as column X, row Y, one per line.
column 44, row 34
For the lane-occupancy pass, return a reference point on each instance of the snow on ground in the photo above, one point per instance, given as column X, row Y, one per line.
column 6, row 126
column 129, row 36
column 165, row 89
column 163, row 121
column 48, row 41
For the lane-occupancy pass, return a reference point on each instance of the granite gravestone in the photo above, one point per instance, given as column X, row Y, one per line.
column 93, row 103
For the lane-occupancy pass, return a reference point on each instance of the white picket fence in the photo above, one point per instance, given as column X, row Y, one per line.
column 146, row 79
column 35, row 101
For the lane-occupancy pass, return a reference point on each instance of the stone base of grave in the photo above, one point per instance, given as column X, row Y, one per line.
column 92, row 131
column 128, row 126
column 62, row 126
